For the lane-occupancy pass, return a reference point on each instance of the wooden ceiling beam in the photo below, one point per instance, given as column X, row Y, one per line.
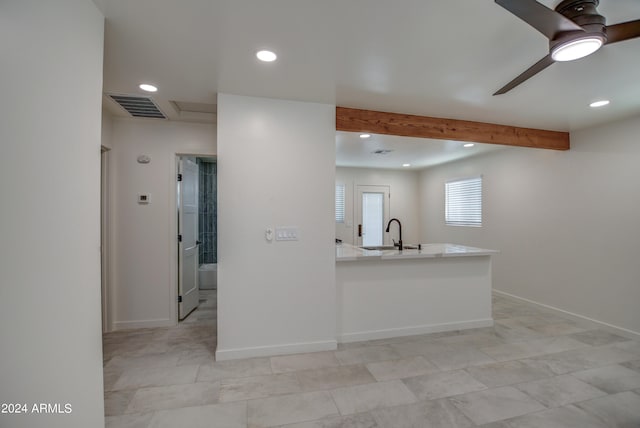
column 406, row 125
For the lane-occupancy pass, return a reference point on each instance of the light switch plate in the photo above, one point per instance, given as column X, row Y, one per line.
column 288, row 233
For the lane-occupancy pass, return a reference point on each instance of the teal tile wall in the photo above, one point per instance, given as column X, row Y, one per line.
column 208, row 209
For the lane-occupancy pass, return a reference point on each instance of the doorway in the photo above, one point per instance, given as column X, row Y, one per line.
column 372, row 214
column 196, row 200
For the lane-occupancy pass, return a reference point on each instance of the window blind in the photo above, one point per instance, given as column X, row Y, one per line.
column 463, row 202
column 339, row 203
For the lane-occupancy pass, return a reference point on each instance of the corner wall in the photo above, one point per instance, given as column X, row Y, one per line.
column 144, row 255
column 51, row 85
column 276, row 167
column 106, row 130
column 566, row 223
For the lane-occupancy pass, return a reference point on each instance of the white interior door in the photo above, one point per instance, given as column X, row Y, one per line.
column 188, row 296
column 372, row 215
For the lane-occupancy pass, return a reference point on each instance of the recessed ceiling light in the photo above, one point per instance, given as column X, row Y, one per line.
column 147, row 87
column 406, row 165
column 266, row 56
column 469, row 145
column 363, row 136
column 599, row 103
column 576, row 49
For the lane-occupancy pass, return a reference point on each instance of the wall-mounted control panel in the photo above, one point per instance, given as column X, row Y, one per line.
column 288, row 233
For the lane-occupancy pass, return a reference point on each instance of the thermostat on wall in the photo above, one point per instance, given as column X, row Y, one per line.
column 144, row 198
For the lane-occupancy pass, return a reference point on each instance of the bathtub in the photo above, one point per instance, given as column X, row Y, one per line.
column 208, row 276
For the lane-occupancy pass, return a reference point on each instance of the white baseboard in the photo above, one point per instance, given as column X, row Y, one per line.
column 127, row 325
column 271, row 350
column 413, row 330
column 581, row 318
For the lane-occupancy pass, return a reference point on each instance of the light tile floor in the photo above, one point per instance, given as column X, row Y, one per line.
column 534, row 368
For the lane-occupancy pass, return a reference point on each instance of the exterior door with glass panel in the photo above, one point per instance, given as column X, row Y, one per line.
column 372, row 215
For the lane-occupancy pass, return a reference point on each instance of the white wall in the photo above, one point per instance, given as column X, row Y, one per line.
column 566, row 222
column 51, row 62
column 403, row 203
column 144, row 288
column 106, row 129
column 276, row 167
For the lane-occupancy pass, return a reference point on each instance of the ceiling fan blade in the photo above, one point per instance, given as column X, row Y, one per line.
column 531, row 71
column 623, row 31
column 547, row 21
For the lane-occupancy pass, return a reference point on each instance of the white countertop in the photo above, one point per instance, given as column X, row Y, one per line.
column 347, row 252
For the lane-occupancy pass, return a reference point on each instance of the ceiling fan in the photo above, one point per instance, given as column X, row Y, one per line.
column 574, row 29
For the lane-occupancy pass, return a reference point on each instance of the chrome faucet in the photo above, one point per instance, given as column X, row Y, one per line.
column 399, row 244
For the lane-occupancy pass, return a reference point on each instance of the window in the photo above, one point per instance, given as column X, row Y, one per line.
column 339, row 203
column 463, row 202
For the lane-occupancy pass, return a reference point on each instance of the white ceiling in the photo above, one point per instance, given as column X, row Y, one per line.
column 440, row 58
column 353, row 151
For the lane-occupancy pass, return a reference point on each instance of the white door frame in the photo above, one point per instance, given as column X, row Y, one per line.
column 173, row 229
column 105, row 265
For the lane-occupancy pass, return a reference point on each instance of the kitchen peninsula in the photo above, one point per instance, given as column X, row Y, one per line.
column 387, row 293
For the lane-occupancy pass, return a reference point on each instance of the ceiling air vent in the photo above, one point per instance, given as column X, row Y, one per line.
column 138, row 106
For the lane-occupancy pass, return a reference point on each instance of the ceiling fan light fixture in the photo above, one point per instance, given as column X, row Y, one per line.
column 576, row 48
